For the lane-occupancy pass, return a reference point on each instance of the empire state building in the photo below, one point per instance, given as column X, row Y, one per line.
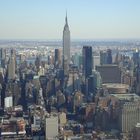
column 66, row 47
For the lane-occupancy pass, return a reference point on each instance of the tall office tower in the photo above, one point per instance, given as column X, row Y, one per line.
column 11, row 66
column 98, row 80
column 66, row 47
column 57, row 59
column 38, row 62
column 90, row 87
column 103, row 57
column 136, row 57
column 3, row 56
column 2, row 53
column 106, row 57
column 13, row 52
column 87, row 61
column 109, row 56
column 94, row 83
column 75, row 59
column 96, row 61
column 118, row 58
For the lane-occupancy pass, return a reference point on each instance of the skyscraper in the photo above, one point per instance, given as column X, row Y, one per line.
column 11, row 66
column 109, row 56
column 129, row 116
column 2, row 53
column 106, row 57
column 2, row 57
column 136, row 57
column 93, row 83
column 57, row 59
column 66, row 47
column 87, row 61
column 103, row 57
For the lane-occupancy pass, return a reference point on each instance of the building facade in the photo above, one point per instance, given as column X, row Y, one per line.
column 66, row 47
column 129, row 116
column 87, row 61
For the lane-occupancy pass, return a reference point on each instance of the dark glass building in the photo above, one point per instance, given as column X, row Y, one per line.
column 57, row 57
column 87, row 61
column 136, row 57
column 109, row 56
column 106, row 57
column 103, row 57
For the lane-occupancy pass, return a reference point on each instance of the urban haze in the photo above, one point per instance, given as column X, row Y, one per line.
column 69, row 70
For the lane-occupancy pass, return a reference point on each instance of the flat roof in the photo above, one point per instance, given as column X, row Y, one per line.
column 126, row 96
column 115, row 85
column 13, row 133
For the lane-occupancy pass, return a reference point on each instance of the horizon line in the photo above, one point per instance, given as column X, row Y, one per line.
column 74, row 39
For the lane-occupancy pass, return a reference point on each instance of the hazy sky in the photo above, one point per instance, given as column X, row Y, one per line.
column 88, row 19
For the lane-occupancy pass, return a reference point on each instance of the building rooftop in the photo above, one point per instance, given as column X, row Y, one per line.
column 126, row 96
column 116, row 85
column 116, row 88
column 138, row 125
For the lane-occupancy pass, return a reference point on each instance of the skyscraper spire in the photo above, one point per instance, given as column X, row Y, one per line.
column 66, row 20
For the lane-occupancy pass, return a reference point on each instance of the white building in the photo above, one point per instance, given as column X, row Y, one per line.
column 66, row 46
column 96, row 61
column 51, row 127
column 129, row 116
column 62, row 118
column 8, row 101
